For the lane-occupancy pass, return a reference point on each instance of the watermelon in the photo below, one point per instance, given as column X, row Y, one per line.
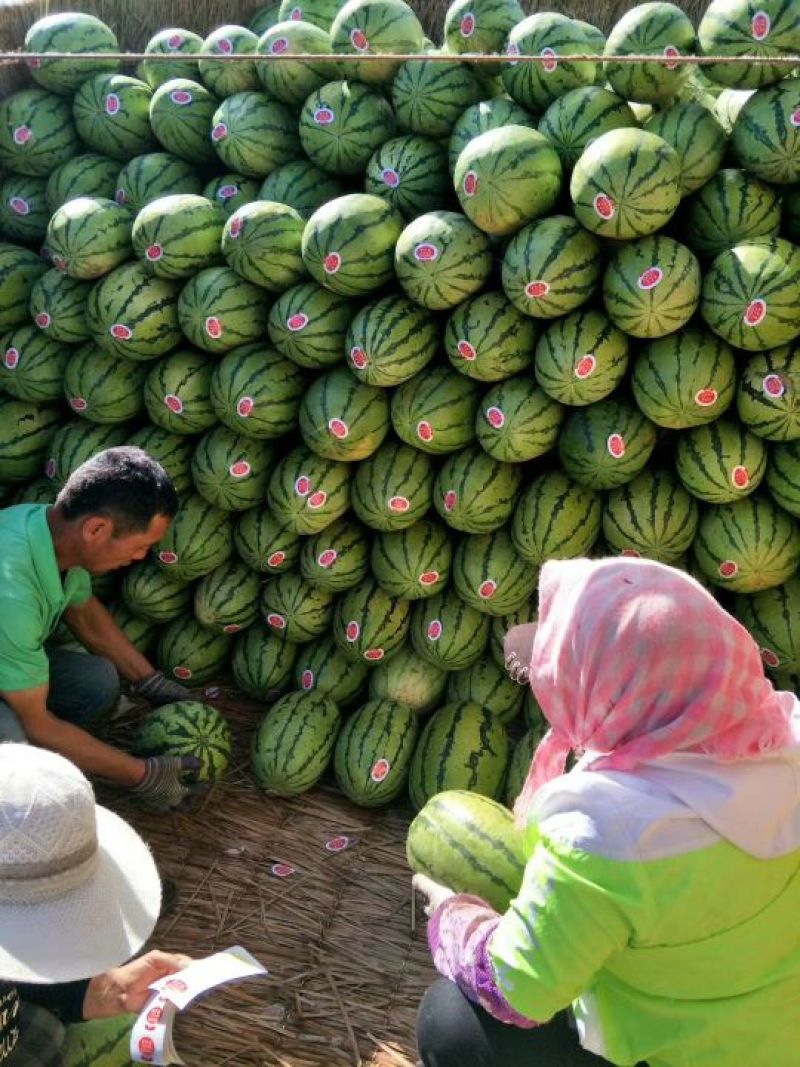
column 171, row 42
column 447, row 633
column 307, row 493
column 141, row 633
column 474, row 492
column 410, row 173
column 766, row 135
column 767, row 400
column 429, row 97
column 747, row 546
column 518, row 421
column 176, row 236
column 187, row 728
column 772, row 617
column 230, row 470
column 256, row 392
column 69, row 31
column 265, row 545
column 173, row 452
column 218, row 310
column 392, row 489
column 90, row 174
column 390, row 340
column 181, row 114
column 651, row 287
column 292, row 81
column 20, row 269
column 198, row 540
column 341, row 125
column 435, row 410
column 606, row 444
column 487, row 338
column 409, row 680
column 37, row 133
column 766, row 29
column 534, row 716
column 103, row 388
column 376, row 26
column 651, row 516
column 626, row 184
column 226, row 79
column 413, row 563
column 177, row 393
column 71, row 444
column 156, row 174
column 556, row 518
column 321, row 665
column 264, row 18
column 343, row 419
column 262, row 663
column 133, row 315
column 39, row 491
column 33, row 365
column 488, row 685
column 500, row 625
column 150, row 593
column 294, row 743
column 308, row 325
column 463, row 746
column 261, row 242
column 302, row 186
column 686, row 379
column 519, row 765
column 320, row 13
column 720, row 462
column 226, row 600
column 733, row 207
column 26, row 431
column 441, row 258
column 575, row 119
column 112, row 116
column 369, row 624
column 337, row 558
column 782, row 480
column 58, row 307
column 480, row 26
column 490, row 576
column 791, row 214
column 24, row 213
column 254, row 134
column 554, row 37
column 581, row 358
column 348, row 244
column 650, row 29
column 231, row 191
column 551, row 267
column 102, row 1042
column 88, row 237
column 751, row 294
column 728, row 104
column 373, row 752
column 469, row 843
column 190, row 653
column 696, row 136
column 486, row 115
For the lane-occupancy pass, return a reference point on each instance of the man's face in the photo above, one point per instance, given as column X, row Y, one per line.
column 105, row 551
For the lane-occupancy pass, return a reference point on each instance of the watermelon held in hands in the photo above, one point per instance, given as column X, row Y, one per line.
column 262, row 663
column 294, row 743
column 190, row 653
column 188, row 728
column 373, row 752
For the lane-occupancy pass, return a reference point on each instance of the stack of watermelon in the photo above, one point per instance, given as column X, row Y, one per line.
column 401, row 333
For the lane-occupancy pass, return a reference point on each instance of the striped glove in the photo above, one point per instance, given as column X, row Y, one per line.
column 158, row 690
column 165, row 786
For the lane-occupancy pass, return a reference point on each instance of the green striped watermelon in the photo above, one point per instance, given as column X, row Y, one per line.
column 791, row 214
column 24, row 213
column 581, row 358
column 225, row 79
column 262, row 663
column 218, row 310
column 112, row 116
column 265, row 544
column 720, row 462
column 519, row 765
column 37, row 132
column 393, row 489
column 149, row 592
column 308, row 325
column 90, row 174
column 261, row 242
column 768, row 401
column 226, row 600
column 518, row 421
column 651, row 287
column 369, row 624
column 480, row 26
column 172, row 451
column 26, row 432
column 411, row 174
column 308, row 493
column 253, row 134
column 176, row 236
column 72, row 443
column 409, row 680
column 486, row 684
column 294, row 743
column 606, row 444
column 766, row 135
column 575, row 119
column 322, row 665
column 435, row 410
column 500, row 625
column 172, row 41
column 38, row 491
column 348, row 244
column 551, row 267
column 489, row 575
column 188, row 728
column 58, row 307
column 20, row 269
column 731, row 208
column 33, row 365
column 487, row 338
column 441, row 258
column 87, row 237
column 556, row 518
column 376, row 26
column 141, row 633
column 151, row 176
column 447, row 633
column 256, row 392
column 487, row 115
column 230, row 470
column 320, row 13
column 102, row 1042
column 429, row 97
column 767, row 29
column 413, row 563
column 133, row 315
column 772, row 617
column 103, row 388
column 337, row 558
column 650, row 29
column 469, row 843
column 534, row 716
column 301, row 185
column 727, row 106
column 554, row 37
column 190, row 653
column 651, row 516
column 198, row 540
column 373, row 752
column 626, row 184
column 463, row 746
column 69, row 31
column 292, row 81
column 747, row 546
column 177, row 393
column 341, row 418
column 182, row 112
column 342, row 123
column 390, row 340
column 474, row 492
column 782, row 479
column 696, row 136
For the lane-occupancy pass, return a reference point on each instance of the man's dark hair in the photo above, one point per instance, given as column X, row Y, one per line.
column 122, row 484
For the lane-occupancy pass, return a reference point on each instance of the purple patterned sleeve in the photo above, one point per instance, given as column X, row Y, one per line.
column 459, row 932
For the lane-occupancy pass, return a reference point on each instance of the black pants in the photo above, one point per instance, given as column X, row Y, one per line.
column 454, row 1032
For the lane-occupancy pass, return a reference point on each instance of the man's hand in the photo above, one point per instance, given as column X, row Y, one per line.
column 434, row 893
column 158, row 690
column 126, row 988
column 164, row 786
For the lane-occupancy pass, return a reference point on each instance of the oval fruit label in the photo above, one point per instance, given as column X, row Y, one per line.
column 424, row 430
column 120, row 197
column 19, row 205
column 399, row 503
column 338, row 844
column 224, row 46
column 227, row 192
column 43, row 320
column 168, row 558
column 112, row 104
column 585, row 367
column 61, row 265
column 616, row 445
column 327, row 558
column 184, row 673
column 740, row 477
column 426, row 252
column 279, row 46
column 296, row 14
column 352, row 631
column 11, row 358
column 120, row 332
column 773, row 386
column 324, row 116
column 671, row 57
column 219, row 133
column 214, row 327
column 22, row 134
column 181, row 97
column 297, row 322
column 728, row 568
column 276, row 621
column 549, row 60
column 174, row 42
column 332, row 263
column 282, row 870
column 307, row 679
column 339, row 428
column 50, row 468
column 302, row 485
column 535, row 290
column 240, row 469
column 154, row 253
column 467, row 25
column 231, row 628
column 317, row 500
column 359, row 358
column 374, row 655
column 770, row 658
column 495, row 418
column 470, row 183
column 755, row 312
column 276, row 559
column 390, row 177
column 428, row 578
column 173, row 403
column 487, row 589
column 380, row 770
column 760, row 25
column 359, row 40
column 235, row 226
column 650, row 278
column 450, row 499
column 245, row 406
column 604, row 206
column 466, row 351
column 435, row 629
column 706, row 398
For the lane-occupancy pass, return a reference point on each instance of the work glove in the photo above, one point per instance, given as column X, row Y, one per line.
column 158, row 690
column 167, row 785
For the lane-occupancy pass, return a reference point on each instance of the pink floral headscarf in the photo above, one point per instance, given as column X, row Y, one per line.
column 635, row 660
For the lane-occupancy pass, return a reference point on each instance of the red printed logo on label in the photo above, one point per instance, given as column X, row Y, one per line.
column 43, row 320
column 374, row 654
column 755, row 312
column 332, row 263
column 154, row 253
column 399, row 503
column 352, row 631
column 224, row 46
column 19, row 205
column 773, row 386
column 390, row 177
column 59, row 263
column 424, row 430
column 495, row 418
column 549, row 60
column 180, row 97
column 231, row 628
column 112, row 104
column 760, row 25
column 706, row 398
column 324, row 116
column 276, row 621
column 214, row 327
column 11, row 358
column 537, row 289
column 770, row 658
column 470, row 183
column 426, row 252
column 380, row 770
column 307, row 679
column 616, row 445
column 650, row 278
column 168, row 557
column 585, row 367
column 728, row 569
column 466, row 351
column 120, row 197
column 147, row 1047
column 327, row 558
column 604, row 206
column 245, row 406
column 339, row 428
column 219, row 133
column 434, row 630
column 302, row 485
column 740, row 478
column 276, row 559
column 174, row 42
column 359, row 358
column 154, row 1015
column 182, row 672
column 120, row 332
column 671, row 55
column 487, row 589
column 240, row 469
column 77, row 403
column 428, row 578
column 450, row 499
column 22, row 134
column 282, row 870
column 359, row 40
column 317, row 500
column 279, row 46
column 297, row 322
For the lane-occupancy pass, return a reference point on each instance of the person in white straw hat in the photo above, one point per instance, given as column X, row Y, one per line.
column 79, row 896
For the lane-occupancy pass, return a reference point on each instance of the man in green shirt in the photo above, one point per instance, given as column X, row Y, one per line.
column 112, row 510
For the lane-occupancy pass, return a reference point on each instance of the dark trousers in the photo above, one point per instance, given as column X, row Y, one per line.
column 454, row 1032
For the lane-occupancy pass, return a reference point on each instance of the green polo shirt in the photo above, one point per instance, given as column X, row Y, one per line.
column 32, row 595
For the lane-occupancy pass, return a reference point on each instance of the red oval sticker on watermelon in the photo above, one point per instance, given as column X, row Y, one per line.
column 650, row 278
column 60, row 264
column 585, row 367
column 282, row 870
column 487, row 589
column 279, row 46
column 671, row 57
column 770, row 658
column 174, row 42
column 374, row 655
column 470, row 183
column 244, row 407
column 339, row 428
column 495, row 418
column 399, row 503
column 706, row 398
column 50, row 468
column 773, row 386
column 226, row 192
column 450, row 499
column 332, row 263
column 434, row 630
column 219, row 133
column 359, row 40
column 467, row 25
column 184, row 673
column 78, row 403
column 276, row 559
column 42, row 320
column 338, row 844
column 307, row 679
column 466, row 351
column 11, row 358
column 740, row 478
column 120, row 332
column 214, row 327
column 755, row 312
column 794, row 118
column 604, row 206
column 380, row 770
column 426, row 252
column 276, row 621
column 631, row 553
column 296, row 14
column 317, row 500
column 22, row 134
column 324, row 116
column 19, row 205
column 224, row 46
column 235, row 226
column 390, row 177
column 231, row 628
column 428, row 578
column 352, row 631
column 180, row 97
column 33, row 63
column 327, row 558
column 424, row 430
column 120, row 197
column 728, row 568
column 302, row 485
column 297, row 322
column 154, row 253
column 549, row 60
column 616, row 445
column 168, row 557
column 535, row 290
column 112, row 104
column 358, row 357
column 240, row 469
column 760, row 25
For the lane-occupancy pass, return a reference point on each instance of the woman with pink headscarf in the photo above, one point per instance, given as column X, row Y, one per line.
column 659, row 917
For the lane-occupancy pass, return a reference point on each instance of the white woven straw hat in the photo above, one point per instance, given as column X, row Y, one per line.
column 79, row 890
